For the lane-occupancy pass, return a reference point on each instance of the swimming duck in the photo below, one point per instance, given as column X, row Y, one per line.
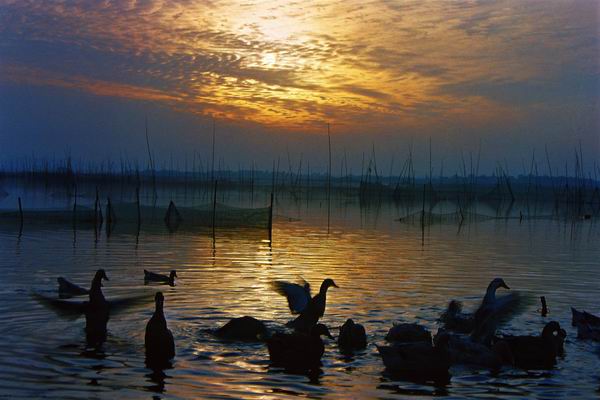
column 298, row 351
column 243, row 328
column 159, row 343
column 299, row 301
column 96, row 311
column 418, row 361
column 537, row 352
column 455, row 320
column 154, row 277
column 588, row 325
column 494, row 310
column 67, row 289
column 462, row 350
column 352, row 336
column 408, row 333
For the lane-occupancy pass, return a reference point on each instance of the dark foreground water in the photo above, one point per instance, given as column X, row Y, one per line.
column 384, row 273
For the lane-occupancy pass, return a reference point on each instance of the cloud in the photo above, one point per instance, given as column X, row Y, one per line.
column 289, row 64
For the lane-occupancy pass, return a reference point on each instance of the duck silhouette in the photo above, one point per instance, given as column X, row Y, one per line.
column 96, row 311
column 455, row 320
column 462, row 350
column 537, row 351
column 408, row 333
column 310, row 310
column 352, row 336
column 244, row 329
column 418, row 361
column 495, row 311
column 160, row 278
column 298, row 351
column 588, row 325
column 159, row 343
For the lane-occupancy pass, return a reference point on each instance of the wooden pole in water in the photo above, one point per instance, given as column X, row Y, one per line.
column 20, row 217
column 96, row 209
column 214, row 215
column 544, row 306
column 329, row 180
column 137, row 201
column 271, row 219
column 108, row 216
column 423, row 218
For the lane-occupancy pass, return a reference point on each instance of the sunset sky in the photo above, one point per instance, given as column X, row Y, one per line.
column 509, row 76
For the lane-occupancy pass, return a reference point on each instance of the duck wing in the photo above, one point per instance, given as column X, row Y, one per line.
column 491, row 315
column 65, row 308
column 66, row 288
column 298, row 296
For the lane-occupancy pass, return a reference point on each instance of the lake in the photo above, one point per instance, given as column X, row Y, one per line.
column 386, row 272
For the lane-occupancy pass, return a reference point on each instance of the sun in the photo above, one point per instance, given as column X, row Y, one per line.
column 269, row 59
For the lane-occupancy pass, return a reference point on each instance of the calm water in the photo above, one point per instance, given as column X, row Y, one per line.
column 384, row 273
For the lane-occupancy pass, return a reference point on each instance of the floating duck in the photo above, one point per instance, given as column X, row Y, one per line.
column 537, row 352
column 67, row 289
column 408, row 333
column 154, row 277
column 298, row 351
column 243, row 328
column 588, row 325
column 462, row 350
column 300, row 302
column 418, row 361
column 352, row 336
column 159, row 343
column 96, row 311
column 455, row 320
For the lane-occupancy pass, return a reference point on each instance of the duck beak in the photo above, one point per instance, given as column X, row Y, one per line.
column 505, row 286
column 334, row 285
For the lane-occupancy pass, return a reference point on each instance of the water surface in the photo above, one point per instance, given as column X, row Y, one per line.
column 385, row 275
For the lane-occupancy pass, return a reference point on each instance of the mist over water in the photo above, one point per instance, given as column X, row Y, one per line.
column 385, row 275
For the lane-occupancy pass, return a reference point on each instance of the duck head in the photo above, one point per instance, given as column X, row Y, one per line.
column 173, row 274
column 326, row 284
column 552, row 329
column 100, row 274
column 497, row 283
column 321, row 330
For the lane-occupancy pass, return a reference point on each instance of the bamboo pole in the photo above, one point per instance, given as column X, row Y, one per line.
column 214, row 215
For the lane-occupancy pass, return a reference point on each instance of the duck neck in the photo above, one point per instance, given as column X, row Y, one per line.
column 490, row 294
column 96, row 290
column 323, row 290
column 159, row 313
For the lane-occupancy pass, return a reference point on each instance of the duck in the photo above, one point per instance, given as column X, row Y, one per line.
column 67, row 289
column 352, row 336
column 537, row 351
column 462, row 350
column 244, row 329
column 418, row 361
column 154, row 277
column 159, row 343
column 298, row 351
column 408, row 333
column 96, row 311
column 494, row 310
column 588, row 325
column 455, row 320
column 310, row 310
